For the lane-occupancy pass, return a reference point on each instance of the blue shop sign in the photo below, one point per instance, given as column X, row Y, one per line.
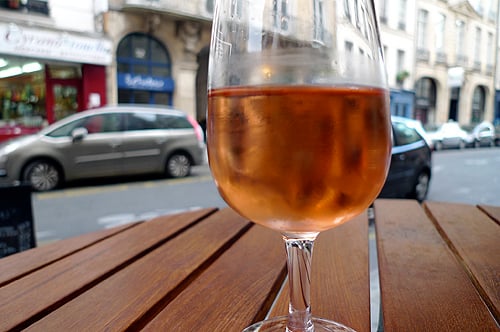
column 145, row 82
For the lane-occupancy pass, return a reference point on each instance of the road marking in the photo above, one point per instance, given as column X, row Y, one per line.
column 476, row 162
column 76, row 192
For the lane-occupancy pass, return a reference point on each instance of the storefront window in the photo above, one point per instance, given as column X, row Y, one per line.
column 65, row 100
column 22, row 93
column 31, row 6
column 33, row 94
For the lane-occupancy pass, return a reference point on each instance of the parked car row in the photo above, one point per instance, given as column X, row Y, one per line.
column 110, row 141
column 452, row 135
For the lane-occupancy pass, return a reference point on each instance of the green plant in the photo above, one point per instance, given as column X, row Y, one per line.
column 401, row 76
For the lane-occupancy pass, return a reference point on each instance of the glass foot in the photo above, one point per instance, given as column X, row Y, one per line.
column 278, row 324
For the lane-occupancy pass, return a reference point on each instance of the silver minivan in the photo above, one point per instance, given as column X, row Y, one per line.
column 109, row 141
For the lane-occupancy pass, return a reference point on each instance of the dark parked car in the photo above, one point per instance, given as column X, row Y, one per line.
column 110, row 141
column 410, row 171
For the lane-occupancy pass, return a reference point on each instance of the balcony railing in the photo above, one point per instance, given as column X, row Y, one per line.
column 423, row 55
column 489, row 70
column 477, row 66
column 441, row 58
column 462, row 60
column 188, row 9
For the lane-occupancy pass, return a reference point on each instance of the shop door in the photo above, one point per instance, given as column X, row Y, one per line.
column 63, row 98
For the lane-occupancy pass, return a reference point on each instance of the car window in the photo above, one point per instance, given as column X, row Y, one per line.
column 141, row 121
column 146, row 121
column 100, row 123
column 103, row 123
column 173, row 122
column 66, row 129
column 404, row 134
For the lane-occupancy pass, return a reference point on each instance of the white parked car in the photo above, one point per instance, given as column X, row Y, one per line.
column 450, row 135
column 483, row 134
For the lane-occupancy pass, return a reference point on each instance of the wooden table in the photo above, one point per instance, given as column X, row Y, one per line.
column 210, row 270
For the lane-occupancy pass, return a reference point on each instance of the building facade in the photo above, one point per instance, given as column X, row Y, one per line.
column 160, row 52
column 455, row 61
column 53, row 59
column 397, row 34
column 58, row 57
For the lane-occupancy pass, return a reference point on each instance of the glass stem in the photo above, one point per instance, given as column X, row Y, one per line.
column 299, row 255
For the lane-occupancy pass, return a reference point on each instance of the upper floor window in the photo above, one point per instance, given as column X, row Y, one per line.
column 422, row 28
column 401, row 61
column 402, row 15
column 460, row 37
column 209, row 6
column 347, row 9
column 440, row 32
column 383, row 11
column 280, row 14
column 319, row 29
column 490, row 53
column 236, row 8
column 477, row 46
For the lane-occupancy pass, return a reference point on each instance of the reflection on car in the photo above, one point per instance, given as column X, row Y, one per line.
column 410, row 171
column 109, row 141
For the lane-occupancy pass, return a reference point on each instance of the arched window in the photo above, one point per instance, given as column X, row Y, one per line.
column 478, row 99
column 144, row 71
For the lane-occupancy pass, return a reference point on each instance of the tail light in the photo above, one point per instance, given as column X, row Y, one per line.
column 197, row 128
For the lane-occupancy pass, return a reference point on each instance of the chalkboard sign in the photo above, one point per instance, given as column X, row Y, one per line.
column 16, row 220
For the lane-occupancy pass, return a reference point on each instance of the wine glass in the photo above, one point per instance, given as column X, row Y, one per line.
column 298, row 125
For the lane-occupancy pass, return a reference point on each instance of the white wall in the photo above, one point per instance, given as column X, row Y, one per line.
column 75, row 15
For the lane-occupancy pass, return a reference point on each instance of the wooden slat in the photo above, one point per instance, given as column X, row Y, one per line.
column 422, row 285
column 231, row 293
column 150, row 282
column 27, row 299
column 492, row 211
column 475, row 239
column 15, row 266
column 340, row 276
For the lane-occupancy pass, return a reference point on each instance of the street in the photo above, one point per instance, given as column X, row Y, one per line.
column 465, row 176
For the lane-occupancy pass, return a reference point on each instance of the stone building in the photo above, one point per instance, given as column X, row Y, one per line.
column 53, row 59
column 397, row 34
column 160, row 52
column 455, row 60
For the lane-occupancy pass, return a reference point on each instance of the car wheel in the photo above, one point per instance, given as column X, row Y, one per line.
column 43, row 175
column 421, row 186
column 178, row 165
column 438, row 146
column 477, row 144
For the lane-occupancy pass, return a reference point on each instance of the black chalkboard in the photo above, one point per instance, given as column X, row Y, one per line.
column 17, row 231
